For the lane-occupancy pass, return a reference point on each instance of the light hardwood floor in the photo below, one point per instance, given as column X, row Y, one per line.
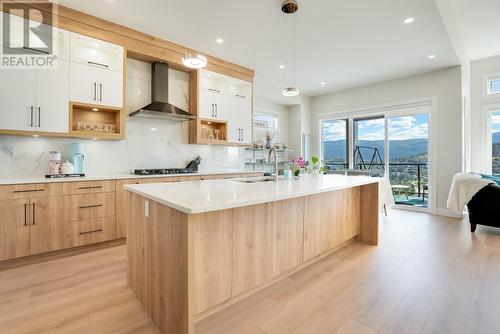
column 428, row 274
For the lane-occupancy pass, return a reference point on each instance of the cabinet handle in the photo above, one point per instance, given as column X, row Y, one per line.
column 36, row 50
column 97, row 64
column 31, row 116
column 89, row 206
column 95, row 91
column 213, row 90
column 216, row 110
column 92, row 231
column 34, row 214
column 39, row 116
column 240, row 96
column 213, row 110
column 28, row 191
column 90, row 187
column 25, row 214
column 100, row 92
column 241, row 134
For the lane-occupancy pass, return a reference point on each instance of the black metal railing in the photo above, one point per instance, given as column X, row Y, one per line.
column 398, row 174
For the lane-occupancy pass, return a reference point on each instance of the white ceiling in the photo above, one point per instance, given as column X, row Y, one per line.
column 343, row 43
column 475, row 26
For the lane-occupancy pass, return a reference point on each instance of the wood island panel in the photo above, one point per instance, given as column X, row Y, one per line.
column 184, row 266
column 211, row 247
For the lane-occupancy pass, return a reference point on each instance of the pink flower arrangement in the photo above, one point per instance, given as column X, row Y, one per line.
column 301, row 162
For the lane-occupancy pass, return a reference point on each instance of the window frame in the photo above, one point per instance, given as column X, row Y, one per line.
column 486, row 85
column 488, row 142
column 347, row 137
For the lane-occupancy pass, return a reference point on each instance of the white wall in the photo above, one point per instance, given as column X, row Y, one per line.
column 444, row 86
column 480, row 69
column 265, row 106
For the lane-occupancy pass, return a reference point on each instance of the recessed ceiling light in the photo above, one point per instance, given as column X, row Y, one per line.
column 94, row 138
column 431, row 56
column 219, row 40
column 409, row 20
column 36, row 136
column 96, row 45
column 153, row 129
column 95, row 109
column 282, row 66
column 322, row 83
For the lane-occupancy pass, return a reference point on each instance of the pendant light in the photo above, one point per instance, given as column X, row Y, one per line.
column 290, row 7
column 192, row 59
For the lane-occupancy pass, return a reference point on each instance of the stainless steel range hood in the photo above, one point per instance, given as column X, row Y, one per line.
column 160, row 108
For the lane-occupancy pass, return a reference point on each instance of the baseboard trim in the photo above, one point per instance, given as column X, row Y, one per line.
column 43, row 257
column 448, row 213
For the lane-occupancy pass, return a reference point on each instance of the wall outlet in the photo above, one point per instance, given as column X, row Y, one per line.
column 146, row 209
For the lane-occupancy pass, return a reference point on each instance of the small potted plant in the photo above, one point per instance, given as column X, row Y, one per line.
column 301, row 164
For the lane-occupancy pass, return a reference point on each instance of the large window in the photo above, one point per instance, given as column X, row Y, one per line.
column 369, row 145
column 495, row 141
column 493, row 85
column 393, row 144
column 334, row 143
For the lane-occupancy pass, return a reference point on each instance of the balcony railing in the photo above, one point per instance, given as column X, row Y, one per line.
column 398, row 172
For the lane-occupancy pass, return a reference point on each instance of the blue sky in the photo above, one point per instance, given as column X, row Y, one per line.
column 400, row 128
column 495, row 122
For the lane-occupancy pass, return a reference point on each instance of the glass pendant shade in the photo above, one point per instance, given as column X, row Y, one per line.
column 290, row 91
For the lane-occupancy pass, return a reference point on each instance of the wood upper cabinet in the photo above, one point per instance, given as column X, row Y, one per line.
column 14, row 229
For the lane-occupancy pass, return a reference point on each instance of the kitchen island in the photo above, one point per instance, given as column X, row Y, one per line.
column 196, row 247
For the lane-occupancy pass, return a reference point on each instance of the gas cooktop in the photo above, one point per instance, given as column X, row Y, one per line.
column 163, row 171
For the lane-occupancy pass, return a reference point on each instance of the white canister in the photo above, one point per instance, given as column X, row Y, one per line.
column 67, row 168
column 55, row 156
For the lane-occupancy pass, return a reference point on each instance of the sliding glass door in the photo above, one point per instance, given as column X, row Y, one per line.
column 393, row 144
column 408, row 139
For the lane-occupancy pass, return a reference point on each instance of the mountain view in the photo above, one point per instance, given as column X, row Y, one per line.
column 409, row 150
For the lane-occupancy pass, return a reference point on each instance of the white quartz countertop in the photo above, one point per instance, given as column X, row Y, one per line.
column 27, row 180
column 193, row 197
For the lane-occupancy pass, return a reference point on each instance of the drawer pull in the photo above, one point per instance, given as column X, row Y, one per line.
column 28, row 191
column 90, row 187
column 97, row 64
column 89, row 206
column 92, row 231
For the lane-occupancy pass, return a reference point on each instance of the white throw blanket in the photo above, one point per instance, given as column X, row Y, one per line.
column 385, row 194
column 463, row 187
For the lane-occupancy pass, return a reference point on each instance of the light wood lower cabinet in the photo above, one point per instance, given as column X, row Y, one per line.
column 14, row 229
column 43, row 225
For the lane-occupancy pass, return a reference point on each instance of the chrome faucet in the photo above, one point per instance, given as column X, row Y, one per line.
column 272, row 152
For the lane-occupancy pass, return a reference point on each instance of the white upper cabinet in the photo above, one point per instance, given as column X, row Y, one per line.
column 17, row 99
column 60, row 37
column 94, row 52
column 52, row 96
column 93, row 85
column 227, row 99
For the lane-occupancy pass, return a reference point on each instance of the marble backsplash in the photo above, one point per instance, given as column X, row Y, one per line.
column 164, row 146
column 148, row 144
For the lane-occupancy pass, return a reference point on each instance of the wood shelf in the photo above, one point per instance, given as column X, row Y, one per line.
column 203, row 129
column 95, row 121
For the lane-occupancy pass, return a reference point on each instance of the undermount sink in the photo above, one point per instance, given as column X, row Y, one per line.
column 254, row 179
